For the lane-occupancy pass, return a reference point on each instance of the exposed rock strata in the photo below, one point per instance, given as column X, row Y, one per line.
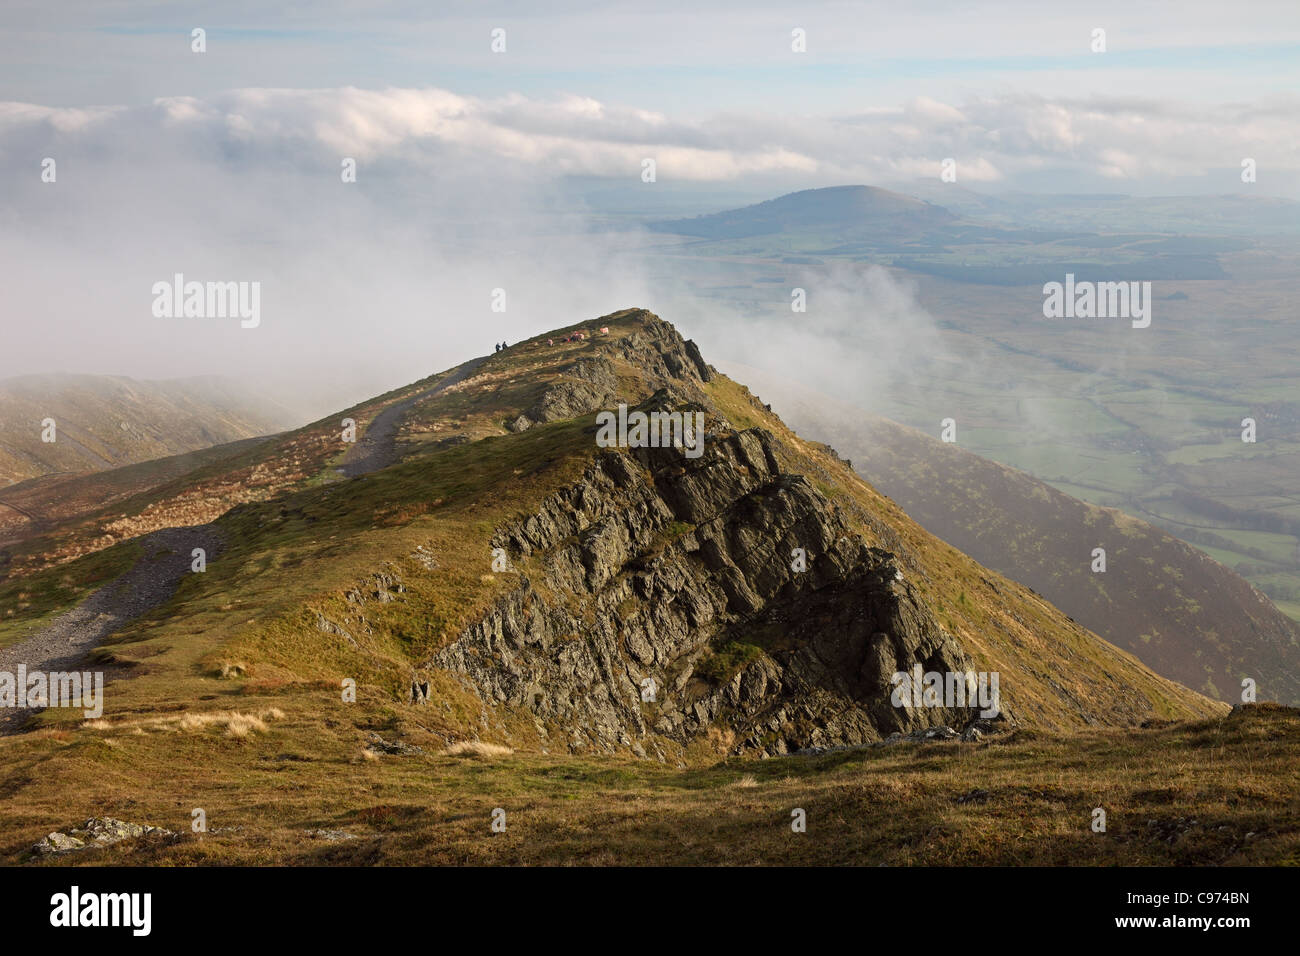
column 654, row 566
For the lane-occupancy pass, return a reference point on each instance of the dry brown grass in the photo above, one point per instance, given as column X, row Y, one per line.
column 721, row 740
column 1218, row 792
column 477, row 748
column 234, row 723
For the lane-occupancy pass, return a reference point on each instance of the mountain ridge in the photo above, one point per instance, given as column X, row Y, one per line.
column 779, row 658
column 1158, row 591
column 104, row 421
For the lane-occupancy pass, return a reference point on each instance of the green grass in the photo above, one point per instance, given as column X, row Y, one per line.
column 1290, row 608
column 727, row 661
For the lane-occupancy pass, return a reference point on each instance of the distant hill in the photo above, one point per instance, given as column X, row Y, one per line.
column 1009, row 240
column 105, row 421
column 1246, row 216
column 35, row 504
column 850, row 211
column 1183, row 614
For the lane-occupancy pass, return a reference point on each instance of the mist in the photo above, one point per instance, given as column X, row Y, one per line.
column 862, row 339
column 364, row 286
column 368, row 285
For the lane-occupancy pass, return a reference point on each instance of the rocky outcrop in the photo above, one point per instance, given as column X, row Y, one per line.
column 590, row 384
column 98, row 832
column 382, row 586
column 662, row 596
column 585, row 386
column 659, row 349
column 702, row 368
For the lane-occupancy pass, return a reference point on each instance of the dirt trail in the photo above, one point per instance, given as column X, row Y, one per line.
column 378, row 446
column 153, row 579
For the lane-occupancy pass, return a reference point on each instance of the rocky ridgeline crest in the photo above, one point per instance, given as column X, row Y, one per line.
column 590, row 384
column 662, row 572
column 656, row 567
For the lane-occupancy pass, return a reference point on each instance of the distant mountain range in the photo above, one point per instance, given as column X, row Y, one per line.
column 921, row 206
column 993, row 241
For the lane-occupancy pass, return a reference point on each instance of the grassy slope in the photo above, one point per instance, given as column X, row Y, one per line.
column 1185, row 616
column 1007, row 627
column 1220, row 791
column 128, row 502
column 63, row 499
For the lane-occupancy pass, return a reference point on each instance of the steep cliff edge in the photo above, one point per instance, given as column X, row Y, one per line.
column 662, row 597
column 675, row 577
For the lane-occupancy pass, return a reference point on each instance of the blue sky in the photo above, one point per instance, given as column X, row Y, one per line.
column 689, row 58
column 705, row 67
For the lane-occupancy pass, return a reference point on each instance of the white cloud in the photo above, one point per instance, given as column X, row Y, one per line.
column 457, row 195
column 991, row 138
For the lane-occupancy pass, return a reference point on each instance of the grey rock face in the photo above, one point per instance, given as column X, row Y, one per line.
column 701, row 367
column 97, row 832
column 327, row 626
column 379, row 745
column 383, row 587
column 680, row 570
column 589, row 384
column 660, row 350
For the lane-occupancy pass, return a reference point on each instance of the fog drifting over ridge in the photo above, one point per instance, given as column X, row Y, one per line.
column 372, row 284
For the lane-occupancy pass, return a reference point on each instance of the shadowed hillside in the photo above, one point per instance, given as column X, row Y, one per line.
column 103, row 421
column 1182, row 613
